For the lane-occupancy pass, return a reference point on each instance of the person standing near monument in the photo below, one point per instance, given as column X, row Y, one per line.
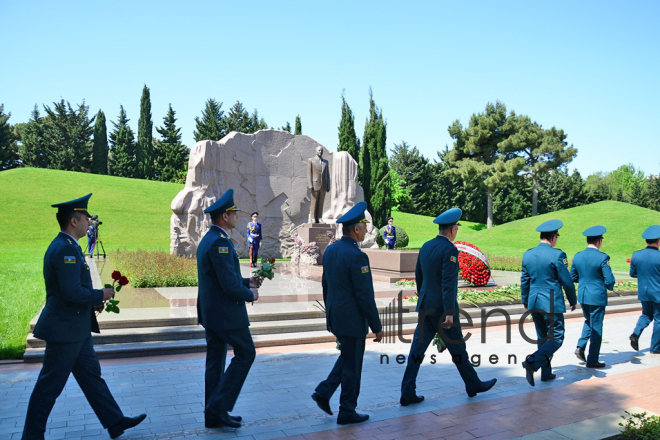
column 591, row 270
column 66, row 323
column 544, row 273
column 389, row 234
column 254, row 238
column 221, row 298
column 436, row 274
column 645, row 266
column 350, row 311
column 318, row 182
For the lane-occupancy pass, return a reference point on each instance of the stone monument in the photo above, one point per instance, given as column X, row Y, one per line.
column 268, row 171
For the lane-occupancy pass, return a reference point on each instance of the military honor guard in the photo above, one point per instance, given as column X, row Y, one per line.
column 222, row 294
column 544, row 274
column 389, row 234
column 66, row 323
column 254, row 238
column 436, row 274
column 645, row 266
column 591, row 270
column 351, row 310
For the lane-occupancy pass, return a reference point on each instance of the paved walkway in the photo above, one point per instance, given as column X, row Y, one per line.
column 275, row 401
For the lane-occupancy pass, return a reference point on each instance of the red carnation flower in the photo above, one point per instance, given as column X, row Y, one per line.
column 116, row 275
column 628, row 260
column 472, row 269
column 123, row 281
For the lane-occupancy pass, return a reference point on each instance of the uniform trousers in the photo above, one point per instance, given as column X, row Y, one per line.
column 543, row 355
column 60, row 360
column 347, row 371
column 223, row 387
column 389, row 245
column 254, row 252
column 592, row 330
column 650, row 312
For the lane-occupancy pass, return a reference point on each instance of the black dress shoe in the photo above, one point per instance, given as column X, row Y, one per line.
column 634, row 342
column 486, row 386
column 579, row 352
column 210, row 422
column 549, row 378
column 596, row 365
column 126, row 423
column 322, row 402
column 353, row 418
column 217, row 419
column 405, row 401
column 529, row 370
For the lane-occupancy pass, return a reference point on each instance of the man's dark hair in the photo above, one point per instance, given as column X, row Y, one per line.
column 593, row 240
column 651, row 241
column 65, row 218
column 215, row 218
column 345, row 230
column 548, row 235
column 444, row 229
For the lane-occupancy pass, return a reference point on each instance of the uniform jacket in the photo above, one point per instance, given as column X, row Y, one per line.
column 222, row 291
column 545, row 268
column 68, row 315
column 645, row 266
column 436, row 275
column 253, row 233
column 591, row 269
column 348, row 290
column 389, row 234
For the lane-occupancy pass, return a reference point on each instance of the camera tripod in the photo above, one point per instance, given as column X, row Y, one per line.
column 99, row 244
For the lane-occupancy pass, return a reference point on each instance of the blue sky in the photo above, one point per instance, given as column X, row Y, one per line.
column 588, row 67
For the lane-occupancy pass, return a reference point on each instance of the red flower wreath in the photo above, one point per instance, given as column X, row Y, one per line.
column 471, row 268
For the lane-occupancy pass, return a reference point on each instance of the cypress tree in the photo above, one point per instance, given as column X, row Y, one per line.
column 368, row 143
column 348, row 141
column 212, row 125
column 100, row 149
column 287, row 127
column 172, row 154
column 33, row 149
column 144, row 149
column 122, row 148
column 298, row 126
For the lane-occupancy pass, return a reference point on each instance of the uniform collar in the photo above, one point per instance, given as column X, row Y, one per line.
column 442, row 236
column 545, row 244
column 592, row 248
column 652, row 247
column 348, row 239
column 70, row 236
column 216, row 226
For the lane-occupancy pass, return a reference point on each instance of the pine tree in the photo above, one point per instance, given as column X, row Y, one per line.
column 257, row 123
column 413, row 168
column 212, row 125
column 122, row 148
column 100, row 148
column 8, row 149
column 348, row 141
column 287, row 127
column 653, row 192
column 33, row 149
column 172, row 154
column 298, row 126
column 144, row 153
column 68, row 136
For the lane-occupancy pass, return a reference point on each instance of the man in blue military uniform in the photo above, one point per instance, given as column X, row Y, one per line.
column 544, row 273
column 221, row 297
column 66, row 323
column 91, row 240
column 645, row 266
column 389, row 234
column 348, row 294
column 591, row 270
column 254, row 238
column 436, row 275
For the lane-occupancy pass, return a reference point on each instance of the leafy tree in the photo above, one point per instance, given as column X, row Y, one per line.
column 542, row 150
column 8, row 148
column 414, row 169
column 348, row 141
column 144, row 153
column 122, row 148
column 172, row 155
column 68, row 136
column 375, row 135
column 100, row 148
column 626, row 177
column 287, row 127
column 298, row 126
column 33, row 149
column 212, row 125
column 477, row 155
column 400, row 192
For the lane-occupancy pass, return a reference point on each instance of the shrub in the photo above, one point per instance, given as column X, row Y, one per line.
column 402, row 238
column 505, row 263
column 640, row 427
column 156, row 268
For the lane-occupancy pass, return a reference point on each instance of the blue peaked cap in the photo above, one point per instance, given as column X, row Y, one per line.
column 595, row 231
column 77, row 205
column 354, row 215
column 550, row 226
column 652, row 233
column 223, row 204
column 449, row 218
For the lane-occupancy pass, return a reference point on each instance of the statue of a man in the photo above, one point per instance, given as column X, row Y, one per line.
column 318, row 182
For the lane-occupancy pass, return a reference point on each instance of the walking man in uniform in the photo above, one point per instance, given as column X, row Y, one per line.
column 66, row 323
column 645, row 266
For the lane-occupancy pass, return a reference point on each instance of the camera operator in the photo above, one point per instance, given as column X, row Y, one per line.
column 93, row 234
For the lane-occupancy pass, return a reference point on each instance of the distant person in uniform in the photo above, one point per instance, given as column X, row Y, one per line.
column 66, row 323
column 351, row 310
column 645, row 266
column 436, row 274
column 389, row 234
column 91, row 240
column 544, row 273
column 591, row 270
column 221, row 298
column 254, row 238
